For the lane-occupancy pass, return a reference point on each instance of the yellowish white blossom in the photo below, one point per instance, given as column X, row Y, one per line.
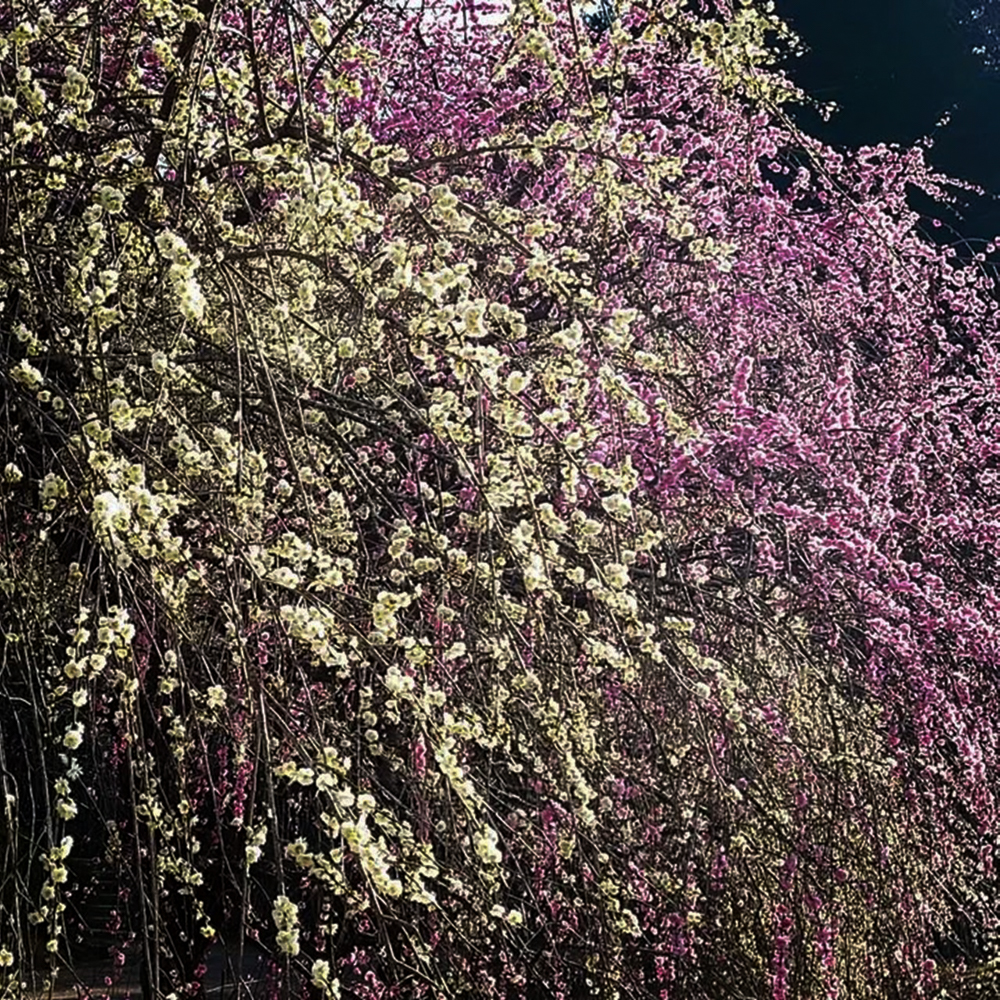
column 27, row 374
column 73, row 736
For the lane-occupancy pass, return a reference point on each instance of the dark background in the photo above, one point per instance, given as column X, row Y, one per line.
column 896, row 68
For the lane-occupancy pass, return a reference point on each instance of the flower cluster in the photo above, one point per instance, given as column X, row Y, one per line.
column 515, row 475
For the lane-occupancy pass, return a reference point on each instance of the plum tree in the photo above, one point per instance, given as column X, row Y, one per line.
column 490, row 509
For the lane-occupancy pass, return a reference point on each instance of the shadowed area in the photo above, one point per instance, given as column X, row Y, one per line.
column 227, row 975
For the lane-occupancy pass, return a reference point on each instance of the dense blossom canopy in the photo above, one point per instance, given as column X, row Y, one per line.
column 489, row 509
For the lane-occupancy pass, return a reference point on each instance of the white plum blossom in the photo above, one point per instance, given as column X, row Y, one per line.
column 111, row 199
column 216, row 696
column 111, row 512
column 27, row 374
column 486, row 846
column 286, row 918
column 73, row 737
